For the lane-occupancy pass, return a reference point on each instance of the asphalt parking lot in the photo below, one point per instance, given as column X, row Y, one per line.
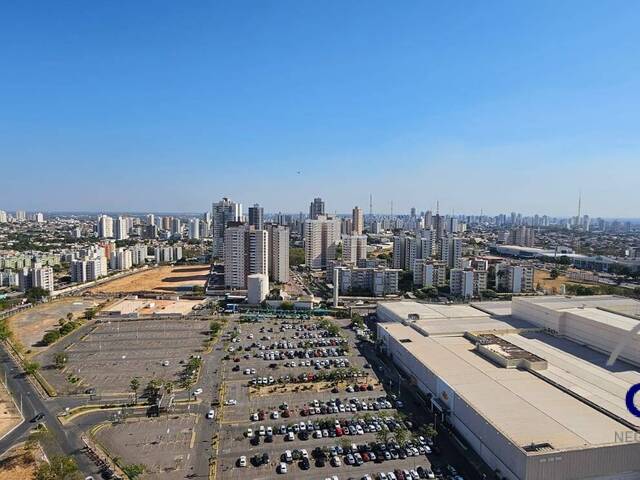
column 274, row 412
column 115, row 351
column 164, row 445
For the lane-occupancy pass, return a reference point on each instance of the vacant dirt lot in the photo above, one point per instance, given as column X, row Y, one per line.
column 542, row 277
column 164, row 279
column 9, row 415
column 30, row 325
column 18, row 463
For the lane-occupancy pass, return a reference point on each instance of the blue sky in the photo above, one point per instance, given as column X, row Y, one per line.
column 166, row 105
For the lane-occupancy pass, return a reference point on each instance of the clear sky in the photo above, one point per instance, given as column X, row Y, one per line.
column 168, row 105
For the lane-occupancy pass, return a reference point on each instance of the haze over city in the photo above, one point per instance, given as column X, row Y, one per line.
column 171, row 104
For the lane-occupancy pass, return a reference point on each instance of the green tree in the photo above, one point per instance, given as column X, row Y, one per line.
column 402, row 436
column 296, row 256
column 554, row 273
column 429, row 431
column 60, row 467
column 69, row 316
column 50, row 337
column 59, row 360
column 383, row 436
column 36, row 294
column 134, row 470
column 134, row 385
column 31, row 368
column 5, row 331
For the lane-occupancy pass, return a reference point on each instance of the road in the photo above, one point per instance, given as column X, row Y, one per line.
column 66, row 439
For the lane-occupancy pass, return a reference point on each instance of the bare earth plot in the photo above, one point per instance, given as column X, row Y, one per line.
column 165, row 279
column 18, row 463
column 164, row 445
column 9, row 414
column 30, row 325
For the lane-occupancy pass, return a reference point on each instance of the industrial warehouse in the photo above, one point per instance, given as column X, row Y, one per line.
column 526, row 383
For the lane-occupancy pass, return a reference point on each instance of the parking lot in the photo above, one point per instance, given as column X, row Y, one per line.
column 305, row 403
column 115, row 351
column 164, row 445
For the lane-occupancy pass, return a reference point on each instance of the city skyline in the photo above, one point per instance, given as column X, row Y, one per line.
column 520, row 105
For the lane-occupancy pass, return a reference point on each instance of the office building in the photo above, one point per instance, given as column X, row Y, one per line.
column 278, row 253
column 354, row 248
column 256, row 217
column 246, row 252
column 321, row 239
column 357, row 216
column 222, row 213
column 316, row 209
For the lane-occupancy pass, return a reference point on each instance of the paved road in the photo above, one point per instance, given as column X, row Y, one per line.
column 67, row 439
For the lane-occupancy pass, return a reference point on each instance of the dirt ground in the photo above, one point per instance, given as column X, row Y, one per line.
column 17, row 463
column 542, row 277
column 9, row 415
column 30, row 325
column 165, row 279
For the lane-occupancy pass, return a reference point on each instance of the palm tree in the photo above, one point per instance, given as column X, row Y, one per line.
column 134, row 385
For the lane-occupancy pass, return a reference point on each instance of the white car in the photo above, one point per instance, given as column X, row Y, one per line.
column 210, row 414
column 242, row 461
column 249, row 433
column 165, row 363
column 231, row 402
column 197, row 391
column 282, row 468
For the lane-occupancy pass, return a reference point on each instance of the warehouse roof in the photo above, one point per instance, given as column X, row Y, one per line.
column 525, row 408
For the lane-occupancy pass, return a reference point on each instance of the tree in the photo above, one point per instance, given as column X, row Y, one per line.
column 89, row 313
column 401, row 435
column 60, row 467
column 296, row 256
column 59, row 360
column 50, row 337
column 31, row 368
column 429, row 431
column 134, row 470
column 5, row 332
column 383, row 436
column 555, row 273
column 69, row 316
column 36, row 294
column 134, row 385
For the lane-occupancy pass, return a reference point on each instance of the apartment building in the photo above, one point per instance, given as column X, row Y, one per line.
column 321, row 238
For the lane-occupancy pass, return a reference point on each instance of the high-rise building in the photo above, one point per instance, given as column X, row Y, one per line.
column 450, row 250
column 36, row 276
column 222, row 213
column 316, row 209
column 321, row 238
column 522, row 236
column 3, row 216
column 176, row 227
column 138, row 254
column 278, row 253
column 513, row 278
column 194, row 229
column 38, row 217
column 166, row 223
column 105, row 226
column 121, row 229
column 246, row 251
column 121, row 259
column 357, row 216
column 425, row 244
column 151, row 219
column 404, row 252
column 346, row 226
column 354, row 248
column 21, row 215
column 429, row 273
column 256, row 215
column 467, row 282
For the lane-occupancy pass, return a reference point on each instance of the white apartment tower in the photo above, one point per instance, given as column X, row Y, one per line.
column 404, row 252
column 246, row 252
column 321, row 239
column 105, row 226
column 278, row 253
column 121, row 228
column 450, row 250
column 354, row 248
column 194, row 229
